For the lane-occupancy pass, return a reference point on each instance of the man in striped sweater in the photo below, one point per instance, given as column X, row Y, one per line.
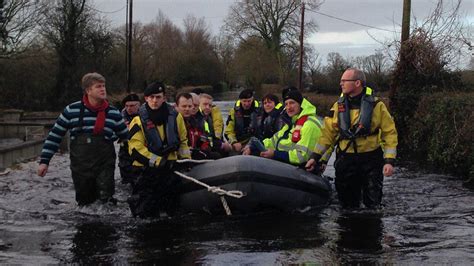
column 93, row 126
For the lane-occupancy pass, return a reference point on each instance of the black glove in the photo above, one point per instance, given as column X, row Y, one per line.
column 317, row 165
column 186, row 166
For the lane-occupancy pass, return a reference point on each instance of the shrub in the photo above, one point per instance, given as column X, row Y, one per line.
column 323, row 102
column 441, row 132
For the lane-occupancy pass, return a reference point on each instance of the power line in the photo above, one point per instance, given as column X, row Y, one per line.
column 350, row 21
column 108, row 12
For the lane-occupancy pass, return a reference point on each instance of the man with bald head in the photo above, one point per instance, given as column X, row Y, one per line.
column 366, row 138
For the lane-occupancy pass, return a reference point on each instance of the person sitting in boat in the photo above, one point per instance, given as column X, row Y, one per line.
column 128, row 173
column 199, row 141
column 157, row 138
column 293, row 143
column 195, row 99
column 206, row 109
column 243, row 121
column 215, row 113
column 271, row 122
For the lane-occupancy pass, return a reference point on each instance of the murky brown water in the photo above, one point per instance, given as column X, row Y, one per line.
column 427, row 219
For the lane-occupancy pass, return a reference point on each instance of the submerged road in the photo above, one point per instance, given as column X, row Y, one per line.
column 427, row 219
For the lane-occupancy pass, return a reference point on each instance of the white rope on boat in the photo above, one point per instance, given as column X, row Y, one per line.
column 219, row 191
column 193, row 161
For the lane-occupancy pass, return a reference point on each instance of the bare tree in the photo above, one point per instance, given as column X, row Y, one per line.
column 424, row 63
column 276, row 22
column 161, row 48
column 336, row 65
column 74, row 31
column 224, row 48
column 376, row 67
column 446, row 30
column 313, row 65
column 20, row 19
column 198, row 63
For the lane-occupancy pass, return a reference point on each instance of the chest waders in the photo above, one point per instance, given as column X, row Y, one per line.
column 359, row 176
column 92, row 166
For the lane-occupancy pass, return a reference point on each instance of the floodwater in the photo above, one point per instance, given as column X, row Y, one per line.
column 426, row 219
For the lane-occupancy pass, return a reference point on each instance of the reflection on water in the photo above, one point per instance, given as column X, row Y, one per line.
column 360, row 233
column 94, row 243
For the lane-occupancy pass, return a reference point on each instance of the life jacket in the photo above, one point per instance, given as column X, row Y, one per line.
column 362, row 127
column 207, row 123
column 272, row 122
column 296, row 136
column 197, row 137
column 253, row 129
column 154, row 142
column 126, row 117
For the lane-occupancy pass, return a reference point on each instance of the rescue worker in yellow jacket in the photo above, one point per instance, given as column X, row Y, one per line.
column 243, row 121
column 157, row 138
column 207, row 115
column 294, row 142
column 358, row 120
column 215, row 114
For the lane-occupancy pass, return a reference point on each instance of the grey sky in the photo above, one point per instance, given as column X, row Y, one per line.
column 333, row 35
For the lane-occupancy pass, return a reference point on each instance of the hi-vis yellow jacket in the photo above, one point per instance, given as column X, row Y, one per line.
column 137, row 145
column 382, row 129
column 298, row 152
column 217, row 121
column 233, row 125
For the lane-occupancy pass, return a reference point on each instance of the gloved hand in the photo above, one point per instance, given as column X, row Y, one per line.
column 313, row 163
column 186, row 166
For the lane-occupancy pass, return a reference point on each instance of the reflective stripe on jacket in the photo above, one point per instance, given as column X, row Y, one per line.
column 217, row 121
column 235, row 130
column 381, row 124
column 138, row 145
column 300, row 151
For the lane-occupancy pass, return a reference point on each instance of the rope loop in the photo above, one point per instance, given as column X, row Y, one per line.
column 217, row 190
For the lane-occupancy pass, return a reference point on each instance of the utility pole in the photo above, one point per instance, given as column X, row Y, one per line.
column 126, row 43
column 129, row 46
column 406, row 20
column 1, row 11
column 2, row 29
column 300, row 68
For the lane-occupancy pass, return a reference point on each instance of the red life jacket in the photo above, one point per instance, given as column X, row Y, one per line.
column 296, row 136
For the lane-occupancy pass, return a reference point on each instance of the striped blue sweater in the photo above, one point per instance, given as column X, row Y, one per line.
column 114, row 128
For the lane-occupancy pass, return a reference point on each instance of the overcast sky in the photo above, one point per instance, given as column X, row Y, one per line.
column 333, row 35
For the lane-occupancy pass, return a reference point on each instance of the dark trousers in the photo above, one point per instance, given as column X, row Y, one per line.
column 92, row 168
column 359, row 175
column 128, row 172
column 156, row 190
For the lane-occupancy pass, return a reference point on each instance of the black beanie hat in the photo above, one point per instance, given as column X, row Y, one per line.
column 154, row 88
column 245, row 94
column 286, row 90
column 294, row 95
column 197, row 91
column 271, row 97
column 129, row 98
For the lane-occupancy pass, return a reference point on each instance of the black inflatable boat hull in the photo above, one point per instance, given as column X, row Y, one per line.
column 266, row 184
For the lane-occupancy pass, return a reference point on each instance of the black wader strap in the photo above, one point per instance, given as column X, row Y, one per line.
column 351, row 141
column 81, row 116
